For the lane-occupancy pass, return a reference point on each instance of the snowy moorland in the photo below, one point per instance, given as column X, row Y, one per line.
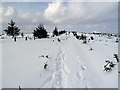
column 71, row 63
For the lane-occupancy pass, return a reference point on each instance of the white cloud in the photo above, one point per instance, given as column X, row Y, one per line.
column 7, row 14
column 25, row 16
column 30, row 17
column 57, row 12
column 53, row 12
column 69, row 15
column 82, row 13
column 9, row 11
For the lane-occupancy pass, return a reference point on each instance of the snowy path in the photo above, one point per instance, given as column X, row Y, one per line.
column 58, row 77
column 63, row 76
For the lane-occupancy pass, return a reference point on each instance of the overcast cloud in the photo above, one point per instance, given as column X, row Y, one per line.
column 80, row 16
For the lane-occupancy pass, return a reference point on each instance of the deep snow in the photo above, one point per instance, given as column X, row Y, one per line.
column 70, row 63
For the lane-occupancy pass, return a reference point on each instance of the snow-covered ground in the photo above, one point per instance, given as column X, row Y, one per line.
column 0, row 64
column 71, row 64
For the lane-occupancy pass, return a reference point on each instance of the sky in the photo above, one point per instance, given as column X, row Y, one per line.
column 66, row 15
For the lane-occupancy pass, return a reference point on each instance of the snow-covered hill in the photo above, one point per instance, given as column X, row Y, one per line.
column 71, row 64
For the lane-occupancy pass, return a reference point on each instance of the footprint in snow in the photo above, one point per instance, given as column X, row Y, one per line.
column 80, row 75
